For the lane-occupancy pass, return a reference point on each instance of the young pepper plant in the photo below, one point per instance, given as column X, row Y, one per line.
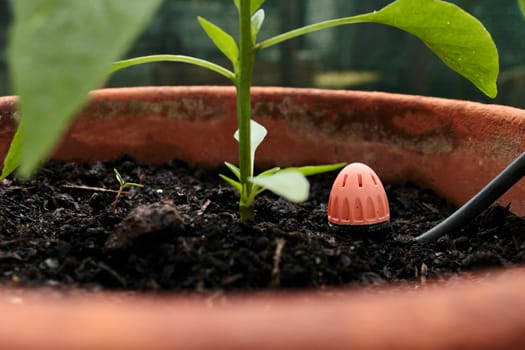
column 456, row 37
column 456, row 49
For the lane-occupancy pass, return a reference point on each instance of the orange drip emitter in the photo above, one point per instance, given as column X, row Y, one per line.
column 358, row 201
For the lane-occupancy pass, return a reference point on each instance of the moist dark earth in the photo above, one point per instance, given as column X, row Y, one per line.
column 181, row 232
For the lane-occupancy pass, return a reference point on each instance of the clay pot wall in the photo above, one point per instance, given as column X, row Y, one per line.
column 453, row 147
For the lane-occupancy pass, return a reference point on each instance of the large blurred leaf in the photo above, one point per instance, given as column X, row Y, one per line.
column 13, row 157
column 522, row 6
column 58, row 51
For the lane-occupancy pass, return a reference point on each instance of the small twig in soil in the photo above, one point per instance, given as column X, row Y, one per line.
column 430, row 207
column 12, row 241
column 95, row 189
column 8, row 184
column 10, row 256
column 203, row 207
column 5, row 182
column 114, row 274
column 424, row 273
column 516, row 243
column 276, row 271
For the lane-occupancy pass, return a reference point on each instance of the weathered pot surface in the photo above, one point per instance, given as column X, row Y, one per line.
column 453, row 147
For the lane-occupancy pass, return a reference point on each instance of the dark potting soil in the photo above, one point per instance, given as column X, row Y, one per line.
column 181, row 232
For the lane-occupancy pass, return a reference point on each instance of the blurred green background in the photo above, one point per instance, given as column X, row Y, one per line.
column 361, row 56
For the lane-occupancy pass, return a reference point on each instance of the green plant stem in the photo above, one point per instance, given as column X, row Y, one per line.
column 313, row 28
column 119, row 193
column 172, row 58
column 244, row 73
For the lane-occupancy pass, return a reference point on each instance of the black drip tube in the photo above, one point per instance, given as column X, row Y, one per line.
column 482, row 200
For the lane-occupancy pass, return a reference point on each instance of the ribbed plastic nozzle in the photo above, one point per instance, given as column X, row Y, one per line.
column 358, row 200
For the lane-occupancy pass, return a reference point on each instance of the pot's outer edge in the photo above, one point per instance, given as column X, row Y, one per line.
column 466, row 315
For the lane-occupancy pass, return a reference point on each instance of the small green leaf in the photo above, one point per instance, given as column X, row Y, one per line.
column 119, row 177
column 123, row 183
column 269, row 172
column 14, row 155
column 257, row 135
column 132, row 184
column 289, row 184
column 232, row 182
column 58, row 51
column 522, row 7
column 318, row 169
column 257, row 21
column 234, row 169
column 254, row 6
column 221, row 39
column 257, row 189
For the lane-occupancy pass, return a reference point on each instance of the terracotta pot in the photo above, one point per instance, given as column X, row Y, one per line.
column 453, row 147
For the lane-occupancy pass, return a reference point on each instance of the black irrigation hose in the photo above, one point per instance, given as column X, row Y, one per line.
column 482, row 200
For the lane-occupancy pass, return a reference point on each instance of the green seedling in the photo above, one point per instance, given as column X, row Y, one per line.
column 123, row 185
column 53, row 80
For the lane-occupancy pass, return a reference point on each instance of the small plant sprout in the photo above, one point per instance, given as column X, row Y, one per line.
column 455, row 36
column 122, row 186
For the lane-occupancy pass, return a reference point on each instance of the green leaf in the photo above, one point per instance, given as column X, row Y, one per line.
column 257, row 21
column 289, row 184
column 318, row 169
column 132, row 184
column 522, row 7
column 119, row 177
column 257, row 135
column 58, row 51
column 456, row 37
column 221, row 39
column 257, row 190
column 234, row 169
column 269, row 172
column 254, row 5
column 235, row 184
column 12, row 159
